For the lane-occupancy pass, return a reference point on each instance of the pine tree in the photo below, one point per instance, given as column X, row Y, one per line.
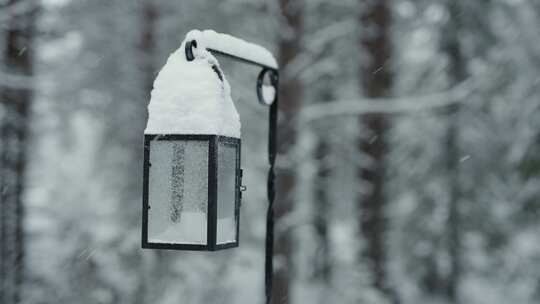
column 375, row 82
column 451, row 46
column 16, row 101
column 148, row 17
column 322, row 263
column 289, row 47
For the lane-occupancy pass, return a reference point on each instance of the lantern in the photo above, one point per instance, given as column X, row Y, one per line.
column 192, row 180
column 192, row 191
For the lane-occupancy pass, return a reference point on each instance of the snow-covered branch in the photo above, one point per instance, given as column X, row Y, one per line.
column 389, row 105
column 322, row 37
column 316, row 45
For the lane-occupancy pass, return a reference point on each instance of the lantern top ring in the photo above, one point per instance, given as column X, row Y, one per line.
column 190, row 45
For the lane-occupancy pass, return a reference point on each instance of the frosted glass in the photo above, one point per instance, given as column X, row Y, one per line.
column 226, row 218
column 178, row 192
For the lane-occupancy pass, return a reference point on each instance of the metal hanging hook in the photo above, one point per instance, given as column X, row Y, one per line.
column 190, row 56
column 190, row 45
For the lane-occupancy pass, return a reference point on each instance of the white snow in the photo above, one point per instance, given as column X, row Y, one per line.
column 226, row 230
column 189, row 98
column 233, row 46
column 191, row 229
column 268, row 93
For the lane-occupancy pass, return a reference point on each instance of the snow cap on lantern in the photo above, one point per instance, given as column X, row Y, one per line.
column 190, row 98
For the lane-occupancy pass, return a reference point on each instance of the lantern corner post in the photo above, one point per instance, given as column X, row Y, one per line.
column 145, row 205
column 212, row 193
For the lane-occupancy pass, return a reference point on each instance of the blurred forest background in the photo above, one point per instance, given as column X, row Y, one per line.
column 409, row 165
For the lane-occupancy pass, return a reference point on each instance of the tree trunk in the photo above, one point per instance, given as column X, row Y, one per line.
column 290, row 97
column 376, row 81
column 454, row 218
column 322, row 263
column 148, row 43
column 15, row 101
column 456, row 72
column 147, row 47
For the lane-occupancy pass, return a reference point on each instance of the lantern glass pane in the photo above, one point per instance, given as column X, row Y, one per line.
column 178, row 192
column 227, row 176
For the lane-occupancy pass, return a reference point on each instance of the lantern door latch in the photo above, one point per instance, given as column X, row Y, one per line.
column 242, row 187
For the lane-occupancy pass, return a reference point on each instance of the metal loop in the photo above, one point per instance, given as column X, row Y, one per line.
column 190, row 45
column 260, row 83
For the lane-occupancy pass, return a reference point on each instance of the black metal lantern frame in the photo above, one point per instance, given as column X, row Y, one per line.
column 214, row 143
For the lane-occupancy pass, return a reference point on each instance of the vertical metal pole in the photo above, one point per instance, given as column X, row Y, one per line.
column 271, row 190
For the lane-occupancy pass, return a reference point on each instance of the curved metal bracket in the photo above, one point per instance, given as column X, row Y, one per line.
column 274, row 74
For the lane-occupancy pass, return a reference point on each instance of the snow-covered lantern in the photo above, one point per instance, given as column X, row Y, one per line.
column 192, row 176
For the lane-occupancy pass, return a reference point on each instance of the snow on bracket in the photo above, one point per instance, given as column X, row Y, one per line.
column 230, row 45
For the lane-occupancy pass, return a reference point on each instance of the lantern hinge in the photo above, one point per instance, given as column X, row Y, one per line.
column 242, row 187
